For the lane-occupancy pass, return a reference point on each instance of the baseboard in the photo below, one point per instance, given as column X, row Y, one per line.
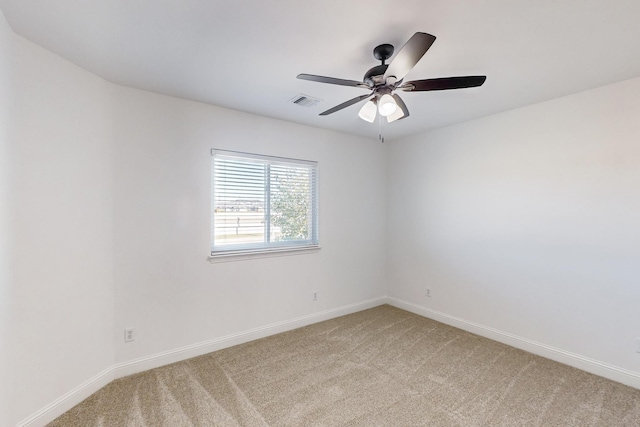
column 69, row 400
column 78, row 394
column 596, row 367
column 198, row 349
column 84, row 390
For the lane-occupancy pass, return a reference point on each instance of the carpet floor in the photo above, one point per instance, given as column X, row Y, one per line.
column 379, row 367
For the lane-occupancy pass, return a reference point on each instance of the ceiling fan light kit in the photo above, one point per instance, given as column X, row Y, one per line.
column 368, row 111
column 382, row 80
column 387, row 105
column 400, row 113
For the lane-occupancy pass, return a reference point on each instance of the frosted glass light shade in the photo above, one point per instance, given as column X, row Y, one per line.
column 398, row 114
column 387, row 105
column 368, row 111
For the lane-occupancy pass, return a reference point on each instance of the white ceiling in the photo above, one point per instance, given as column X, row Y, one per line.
column 245, row 54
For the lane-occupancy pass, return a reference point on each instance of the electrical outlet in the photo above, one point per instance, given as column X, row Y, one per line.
column 315, row 295
column 637, row 345
column 129, row 334
column 427, row 292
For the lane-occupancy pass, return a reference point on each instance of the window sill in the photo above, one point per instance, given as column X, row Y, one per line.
column 260, row 253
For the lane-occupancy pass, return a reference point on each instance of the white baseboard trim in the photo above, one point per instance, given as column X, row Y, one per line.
column 69, row 400
column 204, row 347
column 84, row 390
column 596, row 367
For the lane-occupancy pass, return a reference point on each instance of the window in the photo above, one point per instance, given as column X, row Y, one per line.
column 261, row 203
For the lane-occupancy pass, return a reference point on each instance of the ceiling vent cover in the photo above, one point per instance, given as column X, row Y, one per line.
column 304, row 100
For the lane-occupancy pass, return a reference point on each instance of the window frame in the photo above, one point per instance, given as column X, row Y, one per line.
column 266, row 246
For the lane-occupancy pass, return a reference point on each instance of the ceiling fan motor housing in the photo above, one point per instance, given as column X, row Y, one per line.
column 375, row 76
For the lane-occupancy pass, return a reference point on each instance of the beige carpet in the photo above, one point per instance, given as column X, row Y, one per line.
column 379, row 367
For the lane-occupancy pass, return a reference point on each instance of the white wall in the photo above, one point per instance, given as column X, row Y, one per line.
column 61, row 299
column 166, row 288
column 6, row 227
column 527, row 222
column 523, row 222
column 109, row 198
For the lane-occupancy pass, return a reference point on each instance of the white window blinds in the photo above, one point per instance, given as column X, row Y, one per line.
column 262, row 203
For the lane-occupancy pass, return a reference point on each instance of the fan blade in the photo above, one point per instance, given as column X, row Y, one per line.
column 444, row 83
column 409, row 55
column 345, row 104
column 332, row 80
column 402, row 112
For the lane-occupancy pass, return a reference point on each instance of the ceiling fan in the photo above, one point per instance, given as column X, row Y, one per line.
column 384, row 79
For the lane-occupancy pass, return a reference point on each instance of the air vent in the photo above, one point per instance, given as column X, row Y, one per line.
column 304, row 100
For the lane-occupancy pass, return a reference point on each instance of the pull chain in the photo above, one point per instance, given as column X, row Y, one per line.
column 380, row 136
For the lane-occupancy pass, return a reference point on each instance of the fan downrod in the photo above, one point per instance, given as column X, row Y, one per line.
column 373, row 77
column 383, row 52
